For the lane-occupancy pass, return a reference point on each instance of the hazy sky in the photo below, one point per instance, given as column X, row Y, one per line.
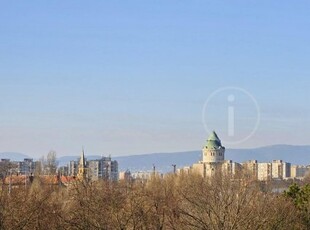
column 131, row 77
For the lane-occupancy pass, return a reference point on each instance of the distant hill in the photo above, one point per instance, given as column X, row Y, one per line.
column 13, row 156
column 163, row 161
column 295, row 154
column 66, row 159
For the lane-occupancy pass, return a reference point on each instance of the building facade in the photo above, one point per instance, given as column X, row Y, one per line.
column 103, row 168
column 250, row 168
column 26, row 167
column 299, row 171
column 73, row 168
column 264, row 171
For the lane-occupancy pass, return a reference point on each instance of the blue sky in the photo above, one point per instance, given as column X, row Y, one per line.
column 131, row 77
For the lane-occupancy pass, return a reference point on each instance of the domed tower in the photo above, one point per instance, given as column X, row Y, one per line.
column 213, row 152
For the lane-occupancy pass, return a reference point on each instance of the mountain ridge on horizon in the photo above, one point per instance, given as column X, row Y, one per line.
column 194, row 150
column 295, row 154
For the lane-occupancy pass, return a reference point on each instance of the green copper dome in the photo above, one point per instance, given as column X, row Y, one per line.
column 214, row 141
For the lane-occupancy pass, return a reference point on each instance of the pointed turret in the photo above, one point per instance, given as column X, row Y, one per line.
column 213, row 141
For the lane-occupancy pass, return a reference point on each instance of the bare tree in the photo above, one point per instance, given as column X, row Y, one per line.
column 174, row 202
column 50, row 163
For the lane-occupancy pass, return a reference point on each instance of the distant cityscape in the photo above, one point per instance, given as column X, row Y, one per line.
column 213, row 160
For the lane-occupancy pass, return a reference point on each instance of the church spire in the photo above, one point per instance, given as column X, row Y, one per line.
column 82, row 159
column 82, row 166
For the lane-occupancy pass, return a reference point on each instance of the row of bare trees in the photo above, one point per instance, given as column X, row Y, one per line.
column 174, row 202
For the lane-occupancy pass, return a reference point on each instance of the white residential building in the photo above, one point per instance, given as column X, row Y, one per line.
column 264, row 171
column 280, row 170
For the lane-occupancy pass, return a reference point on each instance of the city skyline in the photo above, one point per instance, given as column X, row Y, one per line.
column 133, row 78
